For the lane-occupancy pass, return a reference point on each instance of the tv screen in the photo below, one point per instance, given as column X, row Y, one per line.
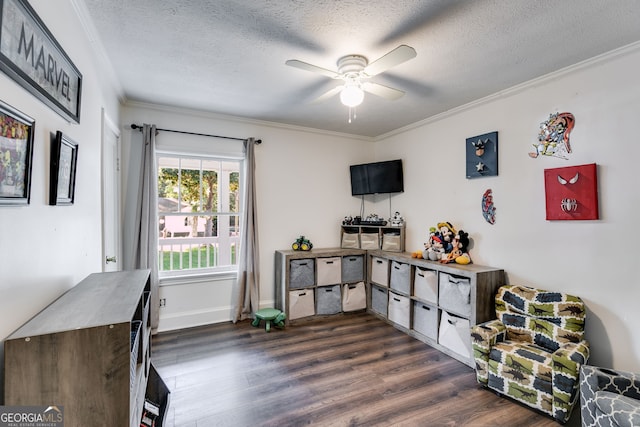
column 378, row 177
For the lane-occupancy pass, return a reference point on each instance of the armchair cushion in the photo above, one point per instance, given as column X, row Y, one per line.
column 524, row 364
column 624, row 410
column 609, row 398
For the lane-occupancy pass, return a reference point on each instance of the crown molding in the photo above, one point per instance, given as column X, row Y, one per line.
column 546, row 78
column 99, row 51
column 242, row 120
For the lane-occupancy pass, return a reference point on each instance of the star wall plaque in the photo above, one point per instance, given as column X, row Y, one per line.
column 482, row 155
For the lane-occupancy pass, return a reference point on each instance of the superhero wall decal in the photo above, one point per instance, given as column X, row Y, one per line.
column 571, row 192
column 553, row 137
column 482, row 155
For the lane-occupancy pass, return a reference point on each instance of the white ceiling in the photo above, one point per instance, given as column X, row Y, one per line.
column 228, row 56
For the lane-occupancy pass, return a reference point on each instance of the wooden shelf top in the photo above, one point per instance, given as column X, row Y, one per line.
column 321, row 252
column 425, row 263
column 100, row 299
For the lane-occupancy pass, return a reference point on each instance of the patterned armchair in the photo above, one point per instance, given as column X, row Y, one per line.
column 609, row 398
column 533, row 351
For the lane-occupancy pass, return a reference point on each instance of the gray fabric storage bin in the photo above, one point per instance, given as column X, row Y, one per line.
column 454, row 333
column 425, row 319
column 379, row 300
column 400, row 277
column 454, row 293
column 425, row 285
column 301, row 304
column 352, row 268
column 399, row 309
column 354, row 297
column 328, row 270
column 301, row 273
column 380, row 271
column 328, row 300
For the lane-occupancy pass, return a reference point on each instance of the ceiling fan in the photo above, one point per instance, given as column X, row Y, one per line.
column 355, row 71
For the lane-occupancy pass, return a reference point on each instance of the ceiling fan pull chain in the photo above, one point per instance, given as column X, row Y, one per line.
column 352, row 114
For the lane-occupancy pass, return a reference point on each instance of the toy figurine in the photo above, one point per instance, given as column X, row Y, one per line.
column 302, row 244
column 397, row 220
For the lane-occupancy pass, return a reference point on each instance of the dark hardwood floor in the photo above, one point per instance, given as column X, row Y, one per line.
column 345, row 370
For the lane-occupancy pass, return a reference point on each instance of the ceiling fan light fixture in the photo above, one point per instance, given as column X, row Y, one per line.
column 352, row 95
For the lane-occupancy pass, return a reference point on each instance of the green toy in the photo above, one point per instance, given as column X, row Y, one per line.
column 302, row 244
column 269, row 315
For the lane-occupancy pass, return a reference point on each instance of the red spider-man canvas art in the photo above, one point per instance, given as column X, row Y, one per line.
column 572, row 192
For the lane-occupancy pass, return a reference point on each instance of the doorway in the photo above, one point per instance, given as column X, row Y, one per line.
column 111, row 222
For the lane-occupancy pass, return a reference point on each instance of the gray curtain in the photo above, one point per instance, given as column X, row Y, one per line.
column 145, row 227
column 246, row 299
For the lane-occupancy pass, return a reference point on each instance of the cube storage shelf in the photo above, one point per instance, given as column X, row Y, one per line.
column 373, row 237
column 90, row 352
column 320, row 282
column 433, row 302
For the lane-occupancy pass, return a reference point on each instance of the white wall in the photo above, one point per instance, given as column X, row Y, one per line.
column 303, row 188
column 45, row 250
column 592, row 259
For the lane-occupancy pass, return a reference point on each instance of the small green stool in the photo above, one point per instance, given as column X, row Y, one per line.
column 269, row 315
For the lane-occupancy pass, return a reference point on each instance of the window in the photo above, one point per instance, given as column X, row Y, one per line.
column 198, row 214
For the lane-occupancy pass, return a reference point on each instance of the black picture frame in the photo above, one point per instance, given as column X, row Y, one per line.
column 16, row 156
column 482, row 155
column 62, row 172
column 31, row 56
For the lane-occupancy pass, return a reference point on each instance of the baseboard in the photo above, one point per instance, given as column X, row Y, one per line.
column 189, row 319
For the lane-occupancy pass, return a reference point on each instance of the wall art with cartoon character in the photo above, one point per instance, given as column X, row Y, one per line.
column 553, row 137
column 571, row 192
column 482, row 155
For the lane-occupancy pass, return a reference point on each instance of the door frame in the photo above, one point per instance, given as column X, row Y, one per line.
column 110, row 129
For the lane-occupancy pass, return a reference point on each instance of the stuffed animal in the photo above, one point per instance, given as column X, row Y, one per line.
column 447, row 233
column 427, row 245
column 435, row 252
column 459, row 253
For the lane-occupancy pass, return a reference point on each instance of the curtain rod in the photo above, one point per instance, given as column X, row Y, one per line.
column 257, row 141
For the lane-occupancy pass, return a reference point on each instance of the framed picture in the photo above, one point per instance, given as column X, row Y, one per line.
column 64, row 159
column 482, row 155
column 16, row 153
column 31, row 56
column 571, row 193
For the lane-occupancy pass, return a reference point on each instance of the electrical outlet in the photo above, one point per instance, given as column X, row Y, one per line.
column 163, row 302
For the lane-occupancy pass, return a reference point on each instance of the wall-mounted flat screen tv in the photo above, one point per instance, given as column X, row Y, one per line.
column 377, row 178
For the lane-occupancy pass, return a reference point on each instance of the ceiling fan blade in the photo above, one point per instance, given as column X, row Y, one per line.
column 397, row 56
column 382, row 91
column 313, row 68
column 328, row 94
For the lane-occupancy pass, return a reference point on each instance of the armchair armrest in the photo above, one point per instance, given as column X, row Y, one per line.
column 567, row 361
column 483, row 337
column 598, row 388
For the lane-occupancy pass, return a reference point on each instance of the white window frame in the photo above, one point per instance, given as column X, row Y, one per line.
column 224, row 240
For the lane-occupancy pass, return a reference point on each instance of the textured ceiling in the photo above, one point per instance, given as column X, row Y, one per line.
column 228, row 56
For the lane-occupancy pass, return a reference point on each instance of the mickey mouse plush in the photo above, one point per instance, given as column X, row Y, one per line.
column 459, row 253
